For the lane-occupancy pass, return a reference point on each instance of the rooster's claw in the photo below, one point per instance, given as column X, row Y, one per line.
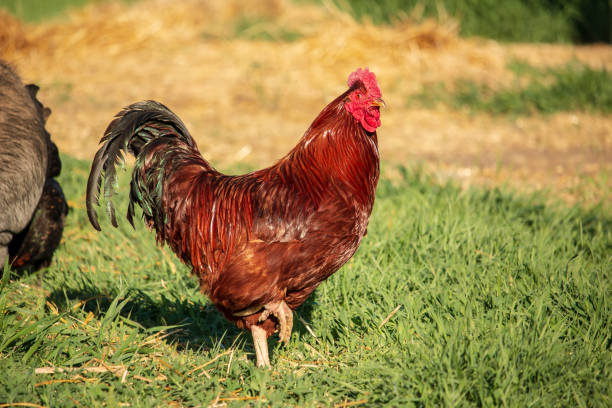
column 284, row 314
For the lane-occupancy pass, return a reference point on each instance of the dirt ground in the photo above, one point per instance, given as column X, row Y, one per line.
column 247, row 99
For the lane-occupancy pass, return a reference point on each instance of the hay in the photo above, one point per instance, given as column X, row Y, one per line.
column 185, row 53
column 13, row 38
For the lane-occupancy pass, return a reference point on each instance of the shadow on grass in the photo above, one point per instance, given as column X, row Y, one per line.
column 193, row 325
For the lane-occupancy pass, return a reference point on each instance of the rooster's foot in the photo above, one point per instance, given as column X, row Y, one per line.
column 260, row 342
column 284, row 314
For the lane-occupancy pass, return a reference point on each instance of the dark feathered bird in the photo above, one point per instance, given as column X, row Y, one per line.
column 259, row 243
column 32, row 204
column 35, row 245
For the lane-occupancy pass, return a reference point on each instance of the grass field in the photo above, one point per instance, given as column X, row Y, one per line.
column 573, row 87
column 35, row 10
column 456, row 298
column 508, row 20
column 479, row 295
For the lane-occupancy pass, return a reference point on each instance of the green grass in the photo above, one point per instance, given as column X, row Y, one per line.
column 37, row 10
column 508, row 20
column 504, row 301
column 255, row 28
column 573, row 87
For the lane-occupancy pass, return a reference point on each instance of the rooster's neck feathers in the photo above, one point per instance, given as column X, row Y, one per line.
column 335, row 149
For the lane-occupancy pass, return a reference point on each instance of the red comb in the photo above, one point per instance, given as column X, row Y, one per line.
column 368, row 79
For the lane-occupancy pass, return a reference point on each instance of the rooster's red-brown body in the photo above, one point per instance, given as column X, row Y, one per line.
column 259, row 243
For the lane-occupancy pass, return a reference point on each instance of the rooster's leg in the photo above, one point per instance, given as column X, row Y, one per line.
column 260, row 341
column 284, row 314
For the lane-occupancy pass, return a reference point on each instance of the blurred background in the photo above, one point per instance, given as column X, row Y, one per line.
column 493, row 92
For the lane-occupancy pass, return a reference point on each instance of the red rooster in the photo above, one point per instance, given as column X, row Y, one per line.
column 259, row 243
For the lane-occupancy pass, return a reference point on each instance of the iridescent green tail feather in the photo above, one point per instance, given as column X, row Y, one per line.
column 144, row 129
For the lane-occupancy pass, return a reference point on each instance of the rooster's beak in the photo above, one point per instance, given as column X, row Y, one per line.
column 379, row 102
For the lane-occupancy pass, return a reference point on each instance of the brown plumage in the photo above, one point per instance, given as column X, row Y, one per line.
column 259, row 243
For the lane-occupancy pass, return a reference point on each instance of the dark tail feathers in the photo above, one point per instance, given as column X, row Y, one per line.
column 130, row 131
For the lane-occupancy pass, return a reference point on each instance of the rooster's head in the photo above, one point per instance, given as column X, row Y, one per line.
column 364, row 100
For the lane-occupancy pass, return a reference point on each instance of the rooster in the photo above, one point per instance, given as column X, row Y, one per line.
column 260, row 243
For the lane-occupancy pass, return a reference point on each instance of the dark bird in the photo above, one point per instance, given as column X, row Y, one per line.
column 260, row 243
column 32, row 204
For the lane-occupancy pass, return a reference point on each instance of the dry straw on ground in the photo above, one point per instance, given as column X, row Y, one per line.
column 247, row 91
